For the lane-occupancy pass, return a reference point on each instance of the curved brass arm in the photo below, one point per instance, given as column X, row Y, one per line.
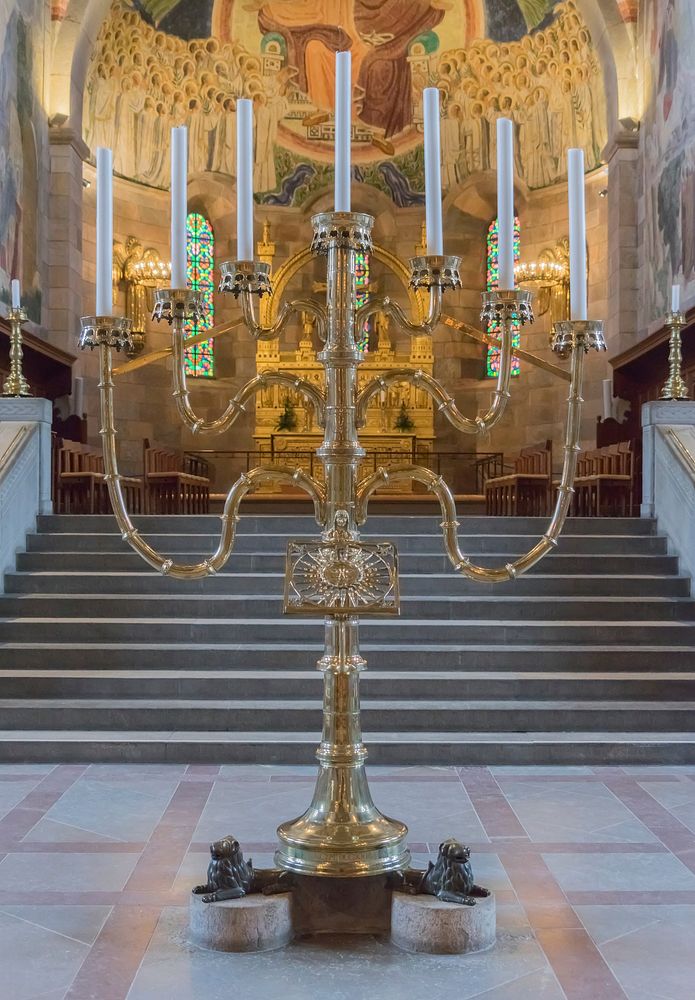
column 436, row 485
column 245, row 482
column 260, row 332
column 383, row 304
column 236, row 405
column 446, row 404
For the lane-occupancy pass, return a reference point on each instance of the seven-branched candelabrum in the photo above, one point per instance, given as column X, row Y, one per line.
column 340, row 577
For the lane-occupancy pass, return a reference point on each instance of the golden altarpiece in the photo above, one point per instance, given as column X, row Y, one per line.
column 400, row 420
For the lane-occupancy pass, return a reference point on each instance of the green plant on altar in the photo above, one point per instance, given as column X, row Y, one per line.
column 403, row 422
column 288, row 417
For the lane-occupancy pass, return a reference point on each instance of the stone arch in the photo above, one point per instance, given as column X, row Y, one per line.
column 72, row 49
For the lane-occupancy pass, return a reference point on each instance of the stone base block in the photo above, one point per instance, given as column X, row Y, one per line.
column 425, row 924
column 252, row 923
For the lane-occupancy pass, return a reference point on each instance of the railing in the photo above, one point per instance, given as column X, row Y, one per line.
column 465, row 470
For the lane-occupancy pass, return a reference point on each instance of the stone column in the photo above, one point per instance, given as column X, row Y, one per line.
column 68, row 152
column 621, row 155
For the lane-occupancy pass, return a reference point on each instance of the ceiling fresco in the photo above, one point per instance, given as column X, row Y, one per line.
column 159, row 63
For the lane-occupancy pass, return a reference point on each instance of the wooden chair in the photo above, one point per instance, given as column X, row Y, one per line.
column 174, row 483
column 79, row 481
column 525, row 492
column 606, row 481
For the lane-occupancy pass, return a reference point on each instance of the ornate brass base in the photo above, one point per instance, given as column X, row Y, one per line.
column 342, row 834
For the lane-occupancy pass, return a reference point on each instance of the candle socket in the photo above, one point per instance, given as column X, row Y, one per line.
column 505, row 305
column 577, row 333
column 15, row 384
column 247, row 276
column 435, row 271
column 185, row 304
column 106, row 331
column 674, row 387
column 344, row 230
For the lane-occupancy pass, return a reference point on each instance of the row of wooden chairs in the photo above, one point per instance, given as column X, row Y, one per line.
column 172, row 483
column 525, row 491
column 605, row 484
column 79, row 485
column 606, row 481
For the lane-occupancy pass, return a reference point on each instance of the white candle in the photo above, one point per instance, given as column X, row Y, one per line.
column 244, row 179
column 179, row 204
column 104, row 304
column 433, row 172
column 675, row 298
column 607, row 384
column 16, row 303
column 505, row 202
column 343, row 126
column 577, row 220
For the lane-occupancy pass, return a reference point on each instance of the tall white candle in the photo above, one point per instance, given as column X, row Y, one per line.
column 179, row 204
column 343, row 126
column 16, row 298
column 104, row 304
column 505, row 202
column 607, row 384
column 675, row 298
column 433, row 172
column 244, row 179
column 577, row 219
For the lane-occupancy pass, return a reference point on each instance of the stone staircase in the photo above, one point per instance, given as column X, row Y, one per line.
column 588, row 658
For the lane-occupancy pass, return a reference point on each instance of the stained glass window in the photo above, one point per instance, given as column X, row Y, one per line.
column 493, row 353
column 362, row 285
column 200, row 258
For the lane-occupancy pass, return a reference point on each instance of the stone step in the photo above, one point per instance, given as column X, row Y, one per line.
column 401, row 657
column 296, row 629
column 208, row 524
column 441, row 584
column 232, row 607
column 217, row 715
column 194, row 546
column 433, row 747
column 555, row 562
column 375, row 684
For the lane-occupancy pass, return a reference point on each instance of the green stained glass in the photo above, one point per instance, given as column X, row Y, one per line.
column 200, row 260
column 362, row 288
column 493, row 353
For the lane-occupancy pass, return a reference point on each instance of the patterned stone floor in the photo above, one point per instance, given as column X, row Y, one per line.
column 594, row 871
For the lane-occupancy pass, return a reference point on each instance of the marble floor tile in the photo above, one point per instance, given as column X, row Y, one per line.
column 12, row 792
column 573, row 812
column 29, row 769
column 329, row 967
column 432, row 812
column 35, row 960
column 79, row 922
column 44, row 872
column 122, row 810
column 619, row 872
column 649, row 949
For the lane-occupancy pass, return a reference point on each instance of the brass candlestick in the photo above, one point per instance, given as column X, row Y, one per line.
column 15, row 384
column 338, row 576
column 674, row 386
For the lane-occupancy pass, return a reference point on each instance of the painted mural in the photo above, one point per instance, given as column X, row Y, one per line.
column 159, row 63
column 22, row 142
column 668, row 154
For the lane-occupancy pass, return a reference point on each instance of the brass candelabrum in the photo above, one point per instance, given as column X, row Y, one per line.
column 674, row 387
column 15, row 384
column 338, row 576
